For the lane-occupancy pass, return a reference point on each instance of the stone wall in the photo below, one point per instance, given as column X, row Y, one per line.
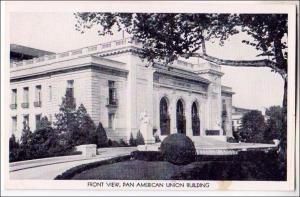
column 58, row 83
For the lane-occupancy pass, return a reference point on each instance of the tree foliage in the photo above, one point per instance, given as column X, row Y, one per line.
column 102, row 140
column 167, row 36
column 253, row 127
column 139, row 138
column 66, row 123
column 274, row 123
column 13, row 149
column 45, row 142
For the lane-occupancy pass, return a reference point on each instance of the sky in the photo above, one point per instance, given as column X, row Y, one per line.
column 255, row 88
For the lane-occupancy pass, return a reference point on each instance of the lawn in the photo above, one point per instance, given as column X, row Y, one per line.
column 200, row 170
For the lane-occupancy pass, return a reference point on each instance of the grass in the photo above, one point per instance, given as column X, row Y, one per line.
column 200, row 170
column 133, row 170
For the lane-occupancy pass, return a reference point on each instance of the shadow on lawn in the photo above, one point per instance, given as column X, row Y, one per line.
column 247, row 166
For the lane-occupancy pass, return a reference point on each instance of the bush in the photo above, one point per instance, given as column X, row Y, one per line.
column 147, row 155
column 78, row 169
column 109, row 142
column 139, row 138
column 13, row 149
column 156, row 137
column 45, row 143
column 102, row 140
column 178, row 149
column 120, row 143
column 231, row 140
column 132, row 141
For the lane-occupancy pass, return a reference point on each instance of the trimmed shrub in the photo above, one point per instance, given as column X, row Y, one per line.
column 102, row 140
column 109, row 142
column 78, row 169
column 147, row 155
column 14, row 147
column 231, row 140
column 156, row 137
column 178, row 149
column 122, row 143
column 139, row 138
column 132, row 141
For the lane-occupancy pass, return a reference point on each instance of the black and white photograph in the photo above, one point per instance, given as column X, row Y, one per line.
column 185, row 96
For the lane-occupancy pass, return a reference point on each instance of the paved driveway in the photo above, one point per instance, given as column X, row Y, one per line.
column 50, row 171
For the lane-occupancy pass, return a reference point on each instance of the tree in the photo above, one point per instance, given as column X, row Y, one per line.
column 102, row 140
column 44, row 123
column 66, row 123
column 253, row 127
column 25, row 142
column 139, row 138
column 46, row 142
column 132, row 141
column 13, row 149
column 274, row 130
column 86, row 133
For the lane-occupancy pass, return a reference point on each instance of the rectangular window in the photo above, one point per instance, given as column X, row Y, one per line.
column 111, row 121
column 50, row 93
column 37, row 121
column 112, row 98
column 70, row 87
column 26, row 119
column 14, row 124
column 14, row 96
column 38, row 93
column 13, row 104
column 25, row 95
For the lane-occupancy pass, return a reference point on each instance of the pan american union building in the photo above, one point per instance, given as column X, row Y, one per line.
column 116, row 87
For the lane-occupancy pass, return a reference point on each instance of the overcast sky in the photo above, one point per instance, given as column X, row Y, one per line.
column 255, row 88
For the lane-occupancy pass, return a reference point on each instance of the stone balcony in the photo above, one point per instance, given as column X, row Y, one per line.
column 37, row 104
column 212, row 132
column 13, row 106
column 25, row 105
column 112, row 103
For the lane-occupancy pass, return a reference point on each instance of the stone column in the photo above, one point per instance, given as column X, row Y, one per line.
column 172, row 113
column 188, row 116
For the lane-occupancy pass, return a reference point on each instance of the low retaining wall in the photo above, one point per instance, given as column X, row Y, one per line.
column 229, row 149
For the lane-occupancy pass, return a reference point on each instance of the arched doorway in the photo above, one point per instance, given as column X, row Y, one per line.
column 164, row 117
column 180, row 117
column 195, row 120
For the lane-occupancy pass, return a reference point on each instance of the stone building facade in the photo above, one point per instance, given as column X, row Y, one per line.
column 116, row 87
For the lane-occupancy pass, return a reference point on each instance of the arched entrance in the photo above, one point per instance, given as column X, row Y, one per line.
column 164, row 117
column 180, row 117
column 195, row 120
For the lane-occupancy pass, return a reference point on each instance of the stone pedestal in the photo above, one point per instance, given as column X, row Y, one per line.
column 146, row 128
column 87, row 150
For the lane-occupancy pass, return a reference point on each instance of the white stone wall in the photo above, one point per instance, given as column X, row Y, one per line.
column 100, row 110
column 82, row 93
column 228, row 123
column 188, row 98
column 136, row 92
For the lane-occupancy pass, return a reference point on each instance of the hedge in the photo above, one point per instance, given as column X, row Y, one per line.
column 69, row 174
